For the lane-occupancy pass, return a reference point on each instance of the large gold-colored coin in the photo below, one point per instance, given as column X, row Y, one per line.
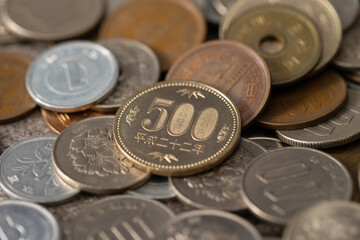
column 177, row 128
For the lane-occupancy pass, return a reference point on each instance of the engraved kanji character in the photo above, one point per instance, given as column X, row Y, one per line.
column 151, row 140
column 140, row 137
column 174, row 144
column 198, row 148
column 163, row 140
column 28, row 190
column 186, row 149
column 13, row 179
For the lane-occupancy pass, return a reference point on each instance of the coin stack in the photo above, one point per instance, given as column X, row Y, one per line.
column 225, row 147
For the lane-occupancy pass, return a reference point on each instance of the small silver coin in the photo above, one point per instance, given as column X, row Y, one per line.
column 121, row 217
column 279, row 184
column 27, row 172
column 139, row 68
column 208, row 224
column 156, row 188
column 348, row 11
column 333, row 220
column 268, row 143
column 219, row 188
column 23, row 220
column 72, row 76
column 341, row 129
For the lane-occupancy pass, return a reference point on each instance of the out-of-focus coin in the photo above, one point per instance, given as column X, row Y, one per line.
column 121, row 217
column 139, row 68
column 169, row 27
column 85, row 157
column 306, row 104
column 72, row 76
column 268, row 143
column 113, row 5
column 352, row 75
column 348, row 11
column 231, row 67
column 271, row 238
column 222, row 6
column 219, row 188
column 332, row 220
column 27, row 172
column 208, row 10
column 177, row 128
column 338, row 130
column 5, row 36
column 287, row 40
column 279, row 184
column 24, row 220
column 352, row 85
column 14, row 99
column 51, row 19
column 322, row 13
column 208, row 224
column 156, row 188
column 30, row 49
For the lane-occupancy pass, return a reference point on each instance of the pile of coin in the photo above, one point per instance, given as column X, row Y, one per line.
column 215, row 134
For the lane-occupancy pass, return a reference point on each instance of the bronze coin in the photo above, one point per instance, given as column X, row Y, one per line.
column 231, row 67
column 14, row 99
column 169, row 27
column 306, row 104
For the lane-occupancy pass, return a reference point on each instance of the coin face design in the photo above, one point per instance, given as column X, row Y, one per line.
column 219, row 188
column 177, row 128
column 279, row 184
column 231, row 67
column 27, row 172
column 72, row 76
column 156, row 188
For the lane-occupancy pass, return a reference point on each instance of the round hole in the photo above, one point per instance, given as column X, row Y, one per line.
column 271, row 45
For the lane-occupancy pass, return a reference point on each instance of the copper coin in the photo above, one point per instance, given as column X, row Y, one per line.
column 57, row 122
column 306, row 104
column 231, row 67
column 169, row 27
column 14, row 99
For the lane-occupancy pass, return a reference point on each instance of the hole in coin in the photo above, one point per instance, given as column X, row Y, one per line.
column 271, row 45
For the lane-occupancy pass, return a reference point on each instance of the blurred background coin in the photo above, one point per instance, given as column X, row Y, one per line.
column 156, row 188
column 268, row 143
column 5, row 36
column 222, row 6
column 352, row 75
column 348, row 10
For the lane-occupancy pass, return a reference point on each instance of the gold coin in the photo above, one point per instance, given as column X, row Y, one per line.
column 177, row 128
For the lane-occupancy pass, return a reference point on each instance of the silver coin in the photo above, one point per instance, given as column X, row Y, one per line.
column 6, row 37
column 112, row 5
column 121, row 217
column 208, row 225
column 222, row 6
column 348, row 11
column 27, row 172
column 156, row 188
column 339, row 130
column 334, row 220
column 209, row 11
column 219, row 188
column 86, row 158
column 27, row 221
column 72, row 76
column 51, row 19
column 139, row 68
column 279, row 184
column 268, row 143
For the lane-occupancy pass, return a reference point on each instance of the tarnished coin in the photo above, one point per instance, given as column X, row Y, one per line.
column 51, row 19
column 287, row 40
column 338, row 130
column 85, row 157
column 208, row 224
column 24, row 220
column 156, row 188
column 169, row 27
column 332, row 220
column 306, row 104
column 139, row 68
column 177, row 128
column 348, row 11
column 268, row 143
column 231, row 67
column 219, row 188
column 27, row 172
column 72, row 76
column 121, row 217
column 14, row 99
column 279, row 184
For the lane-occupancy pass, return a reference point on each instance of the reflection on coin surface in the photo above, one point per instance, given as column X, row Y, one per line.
column 287, row 40
column 177, row 128
column 348, row 11
column 85, row 157
column 139, row 68
column 338, row 130
column 222, row 6
column 72, row 76
column 268, row 143
column 51, row 19
column 306, row 104
column 279, row 184
column 231, row 67
column 14, row 99
column 121, row 217
column 27, row 172
column 219, row 188
column 24, row 220
column 332, row 220
column 169, row 27
column 208, row 224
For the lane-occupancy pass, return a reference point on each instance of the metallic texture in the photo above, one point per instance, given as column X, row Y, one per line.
column 348, row 11
column 268, row 143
